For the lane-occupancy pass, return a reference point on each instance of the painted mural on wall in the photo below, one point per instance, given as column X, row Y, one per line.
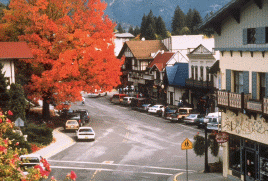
column 242, row 124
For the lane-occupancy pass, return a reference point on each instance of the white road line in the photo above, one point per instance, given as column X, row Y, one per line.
column 111, row 170
column 126, row 165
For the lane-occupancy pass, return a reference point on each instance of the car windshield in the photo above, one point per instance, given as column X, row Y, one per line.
column 86, row 130
column 71, row 122
column 182, row 110
column 192, row 116
column 213, row 120
column 30, row 159
column 154, row 106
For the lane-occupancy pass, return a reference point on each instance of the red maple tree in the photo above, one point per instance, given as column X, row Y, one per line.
column 72, row 42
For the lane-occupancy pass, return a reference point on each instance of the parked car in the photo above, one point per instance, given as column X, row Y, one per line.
column 118, row 98
column 156, row 109
column 180, row 114
column 84, row 113
column 137, row 103
column 71, row 125
column 85, row 133
column 170, row 109
column 79, row 117
column 144, row 107
column 29, row 161
column 201, row 122
column 214, row 124
column 192, row 118
column 127, row 101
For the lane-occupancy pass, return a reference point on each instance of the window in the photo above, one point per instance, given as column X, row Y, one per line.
column 207, row 74
column 196, row 73
column 144, row 64
column 234, row 153
column 251, row 35
column 201, row 73
column 238, row 82
column 135, row 62
column 262, row 85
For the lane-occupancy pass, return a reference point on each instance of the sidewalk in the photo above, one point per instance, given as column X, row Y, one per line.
column 62, row 142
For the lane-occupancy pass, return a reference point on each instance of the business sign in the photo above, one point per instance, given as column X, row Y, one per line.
column 222, row 137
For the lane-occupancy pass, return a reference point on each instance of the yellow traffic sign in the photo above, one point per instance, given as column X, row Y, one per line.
column 186, row 144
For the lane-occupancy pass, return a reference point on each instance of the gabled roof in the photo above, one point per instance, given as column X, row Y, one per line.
column 124, row 35
column 143, row 49
column 161, row 60
column 201, row 52
column 233, row 8
column 15, row 50
column 177, row 74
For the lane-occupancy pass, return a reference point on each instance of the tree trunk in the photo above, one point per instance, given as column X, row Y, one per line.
column 45, row 111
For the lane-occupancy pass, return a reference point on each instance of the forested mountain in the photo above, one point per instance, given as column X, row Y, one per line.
column 131, row 11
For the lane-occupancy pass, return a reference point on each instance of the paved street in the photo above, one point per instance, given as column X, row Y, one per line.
column 129, row 145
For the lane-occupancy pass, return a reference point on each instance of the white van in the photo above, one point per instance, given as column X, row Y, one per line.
column 213, row 121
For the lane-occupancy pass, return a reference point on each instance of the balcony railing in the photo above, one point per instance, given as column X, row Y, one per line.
column 258, row 106
column 148, row 77
column 232, row 99
column 199, row 83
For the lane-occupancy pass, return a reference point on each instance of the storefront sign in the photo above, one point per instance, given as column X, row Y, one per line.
column 222, row 137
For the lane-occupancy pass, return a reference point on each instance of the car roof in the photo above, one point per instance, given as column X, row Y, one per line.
column 31, row 155
column 86, row 127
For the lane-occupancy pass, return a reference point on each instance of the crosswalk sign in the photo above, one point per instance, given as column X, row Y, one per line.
column 186, row 144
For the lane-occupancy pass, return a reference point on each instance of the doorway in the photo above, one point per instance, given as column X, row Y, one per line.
column 250, row 165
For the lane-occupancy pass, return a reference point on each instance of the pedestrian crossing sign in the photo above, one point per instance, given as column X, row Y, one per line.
column 186, row 144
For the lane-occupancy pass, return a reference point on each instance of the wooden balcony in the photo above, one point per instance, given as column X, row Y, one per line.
column 257, row 106
column 199, row 84
column 232, row 100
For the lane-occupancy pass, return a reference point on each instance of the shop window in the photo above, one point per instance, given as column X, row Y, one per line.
column 234, row 153
column 263, row 162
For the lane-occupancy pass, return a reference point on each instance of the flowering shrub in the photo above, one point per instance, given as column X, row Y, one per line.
column 34, row 147
column 10, row 163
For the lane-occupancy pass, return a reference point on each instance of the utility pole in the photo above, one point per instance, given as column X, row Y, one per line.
column 206, row 150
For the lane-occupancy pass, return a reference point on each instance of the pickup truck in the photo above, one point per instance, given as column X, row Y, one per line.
column 180, row 114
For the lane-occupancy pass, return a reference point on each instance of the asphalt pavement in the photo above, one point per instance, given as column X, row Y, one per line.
column 62, row 142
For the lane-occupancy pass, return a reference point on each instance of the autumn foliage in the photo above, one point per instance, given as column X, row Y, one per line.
column 72, row 44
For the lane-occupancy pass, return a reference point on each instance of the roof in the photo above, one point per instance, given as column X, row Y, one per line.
column 124, row 35
column 229, row 9
column 161, row 60
column 15, row 50
column 177, row 74
column 143, row 49
column 215, row 67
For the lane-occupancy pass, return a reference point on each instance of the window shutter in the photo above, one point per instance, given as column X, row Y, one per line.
column 254, row 85
column 228, row 79
column 260, row 35
column 246, row 82
column 266, row 85
column 245, row 37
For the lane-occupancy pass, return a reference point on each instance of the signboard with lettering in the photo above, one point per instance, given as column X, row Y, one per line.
column 19, row 122
column 222, row 137
column 186, row 144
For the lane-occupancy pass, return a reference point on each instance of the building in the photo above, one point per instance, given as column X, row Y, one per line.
column 138, row 55
column 241, row 37
column 11, row 52
column 200, row 82
column 120, row 39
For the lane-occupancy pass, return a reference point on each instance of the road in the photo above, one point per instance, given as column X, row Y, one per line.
column 129, row 145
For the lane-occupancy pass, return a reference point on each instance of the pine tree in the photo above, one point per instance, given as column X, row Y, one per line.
column 17, row 101
column 161, row 30
column 178, row 20
column 197, row 19
column 189, row 19
column 3, row 89
column 137, row 31
column 120, row 29
column 150, row 33
column 143, row 26
column 130, row 30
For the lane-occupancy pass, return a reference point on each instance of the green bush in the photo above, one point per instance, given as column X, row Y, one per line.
column 40, row 134
column 17, row 141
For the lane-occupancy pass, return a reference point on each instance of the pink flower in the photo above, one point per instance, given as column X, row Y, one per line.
column 10, row 113
column 8, row 120
column 17, row 143
column 197, row 132
column 1, row 120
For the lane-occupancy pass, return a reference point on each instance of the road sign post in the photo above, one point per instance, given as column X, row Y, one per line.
column 186, row 145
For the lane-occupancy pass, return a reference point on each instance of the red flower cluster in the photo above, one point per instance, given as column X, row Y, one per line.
column 46, row 164
column 43, row 172
column 72, row 176
column 34, row 148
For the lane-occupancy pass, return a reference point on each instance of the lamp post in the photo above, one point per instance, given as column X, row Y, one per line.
column 206, row 150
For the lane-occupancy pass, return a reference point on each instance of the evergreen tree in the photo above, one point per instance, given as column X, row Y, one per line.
column 3, row 89
column 136, row 31
column 120, row 29
column 143, row 26
column 189, row 19
column 197, row 19
column 161, row 30
column 178, row 20
column 185, row 31
column 17, row 101
column 130, row 30
column 150, row 33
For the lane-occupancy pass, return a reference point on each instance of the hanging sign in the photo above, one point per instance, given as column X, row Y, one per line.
column 222, row 137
